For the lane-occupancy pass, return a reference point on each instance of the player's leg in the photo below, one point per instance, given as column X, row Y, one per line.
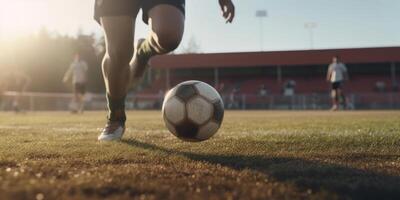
column 335, row 96
column 16, row 102
column 341, row 97
column 119, row 51
column 81, row 98
column 118, row 32
column 119, row 35
column 74, row 101
column 117, row 19
column 1, row 101
column 2, row 90
column 167, row 26
column 334, row 99
column 166, row 30
column 25, row 83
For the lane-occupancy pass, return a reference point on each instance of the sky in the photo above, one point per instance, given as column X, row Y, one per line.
column 338, row 23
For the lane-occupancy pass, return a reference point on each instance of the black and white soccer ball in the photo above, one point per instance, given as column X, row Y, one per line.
column 193, row 111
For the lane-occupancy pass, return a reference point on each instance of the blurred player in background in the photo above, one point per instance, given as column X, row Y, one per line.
column 120, row 66
column 18, row 81
column 78, row 71
column 337, row 74
column 3, row 88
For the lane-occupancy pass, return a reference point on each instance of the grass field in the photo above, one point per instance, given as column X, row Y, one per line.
column 256, row 155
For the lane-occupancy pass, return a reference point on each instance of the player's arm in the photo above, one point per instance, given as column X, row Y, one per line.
column 228, row 10
column 345, row 73
column 329, row 73
column 67, row 74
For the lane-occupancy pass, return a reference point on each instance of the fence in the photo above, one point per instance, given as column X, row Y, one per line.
column 313, row 101
column 34, row 101
column 60, row 101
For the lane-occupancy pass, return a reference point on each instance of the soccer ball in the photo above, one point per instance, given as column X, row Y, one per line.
column 193, row 111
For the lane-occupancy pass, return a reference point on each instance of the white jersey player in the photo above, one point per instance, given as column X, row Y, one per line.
column 78, row 71
column 337, row 74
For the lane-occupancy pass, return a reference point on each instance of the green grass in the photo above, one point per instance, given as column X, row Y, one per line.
column 256, row 155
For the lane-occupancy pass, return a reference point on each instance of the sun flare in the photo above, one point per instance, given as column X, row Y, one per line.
column 22, row 17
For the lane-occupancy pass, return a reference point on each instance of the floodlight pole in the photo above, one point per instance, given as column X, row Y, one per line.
column 261, row 34
column 261, row 14
column 310, row 26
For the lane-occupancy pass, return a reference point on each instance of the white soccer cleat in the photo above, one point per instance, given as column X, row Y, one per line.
column 112, row 132
column 334, row 108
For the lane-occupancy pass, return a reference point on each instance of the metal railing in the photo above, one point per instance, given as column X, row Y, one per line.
column 31, row 101
column 312, row 101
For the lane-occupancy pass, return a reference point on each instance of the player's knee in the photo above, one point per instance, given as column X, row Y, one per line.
column 333, row 93
column 168, row 41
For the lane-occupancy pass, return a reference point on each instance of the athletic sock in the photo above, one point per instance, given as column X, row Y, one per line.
column 116, row 109
column 145, row 51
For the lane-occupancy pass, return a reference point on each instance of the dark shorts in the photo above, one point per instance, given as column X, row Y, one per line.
column 336, row 85
column 80, row 88
column 127, row 7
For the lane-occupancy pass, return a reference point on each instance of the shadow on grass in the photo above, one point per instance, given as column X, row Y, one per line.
column 341, row 180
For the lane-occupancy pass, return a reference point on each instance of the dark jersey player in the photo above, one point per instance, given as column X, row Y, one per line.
column 123, row 64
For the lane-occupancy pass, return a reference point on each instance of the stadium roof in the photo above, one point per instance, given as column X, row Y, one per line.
column 277, row 58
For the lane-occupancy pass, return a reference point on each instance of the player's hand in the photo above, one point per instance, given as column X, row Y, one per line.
column 228, row 10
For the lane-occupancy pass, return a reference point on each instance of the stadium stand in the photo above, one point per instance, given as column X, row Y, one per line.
column 373, row 71
column 256, row 80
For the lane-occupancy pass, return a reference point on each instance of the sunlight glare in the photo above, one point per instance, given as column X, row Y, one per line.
column 19, row 18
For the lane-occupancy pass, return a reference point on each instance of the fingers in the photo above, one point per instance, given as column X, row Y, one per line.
column 232, row 16
column 222, row 5
column 229, row 13
column 225, row 13
column 228, row 10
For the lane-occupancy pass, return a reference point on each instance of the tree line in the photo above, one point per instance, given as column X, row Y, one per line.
column 45, row 57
